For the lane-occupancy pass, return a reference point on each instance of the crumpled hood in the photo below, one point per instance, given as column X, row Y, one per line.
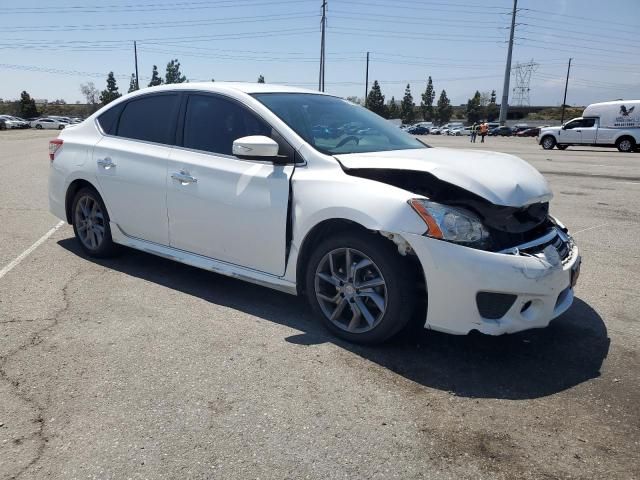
column 500, row 178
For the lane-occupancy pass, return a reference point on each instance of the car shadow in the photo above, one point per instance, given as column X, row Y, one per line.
column 526, row 365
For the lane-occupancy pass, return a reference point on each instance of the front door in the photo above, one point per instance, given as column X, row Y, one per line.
column 220, row 206
column 131, row 166
column 572, row 132
column 589, row 129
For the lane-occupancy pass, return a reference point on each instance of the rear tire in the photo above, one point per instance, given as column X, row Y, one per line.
column 91, row 224
column 350, row 310
column 562, row 147
column 626, row 144
column 548, row 142
column 39, row 127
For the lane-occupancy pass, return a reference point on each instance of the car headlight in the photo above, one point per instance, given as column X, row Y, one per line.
column 450, row 223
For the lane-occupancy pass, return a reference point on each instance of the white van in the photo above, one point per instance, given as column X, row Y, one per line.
column 607, row 124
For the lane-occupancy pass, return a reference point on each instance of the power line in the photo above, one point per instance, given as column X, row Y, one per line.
column 575, row 17
column 155, row 7
column 413, row 35
column 154, row 25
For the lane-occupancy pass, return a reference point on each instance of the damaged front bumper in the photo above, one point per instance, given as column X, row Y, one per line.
column 496, row 293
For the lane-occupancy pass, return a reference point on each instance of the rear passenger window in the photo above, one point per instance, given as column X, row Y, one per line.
column 150, row 118
column 588, row 122
column 213, row 123
column 108, row 120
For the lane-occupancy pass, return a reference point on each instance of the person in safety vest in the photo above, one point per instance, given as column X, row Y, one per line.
column 484, row 129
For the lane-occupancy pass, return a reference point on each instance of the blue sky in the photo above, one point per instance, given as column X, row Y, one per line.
column 49, row 48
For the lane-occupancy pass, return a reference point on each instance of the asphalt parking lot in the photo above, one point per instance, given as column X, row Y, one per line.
column 137, row 367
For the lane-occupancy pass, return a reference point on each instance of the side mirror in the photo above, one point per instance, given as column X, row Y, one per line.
column 258, row 147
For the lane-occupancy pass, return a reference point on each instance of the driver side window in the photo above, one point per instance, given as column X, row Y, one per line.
column 212, row 124
column 573, row 124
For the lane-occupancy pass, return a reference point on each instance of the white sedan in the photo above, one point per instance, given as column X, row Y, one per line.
column 235, row 179
column 48, row 123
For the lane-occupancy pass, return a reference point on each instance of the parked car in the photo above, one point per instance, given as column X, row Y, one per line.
column 10, row 122
column 21, row 122
column 417, row 130
column 435, row 131
column 503, row 131
column 48, row 123
column 226, row 177
column 530, row 132
column 607, row 124
column 65, row 120
column 520, row 127
column 444, row 131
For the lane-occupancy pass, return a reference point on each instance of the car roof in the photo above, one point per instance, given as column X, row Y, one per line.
column 221, row 87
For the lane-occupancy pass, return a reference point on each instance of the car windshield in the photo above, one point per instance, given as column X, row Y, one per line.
column 336, row 126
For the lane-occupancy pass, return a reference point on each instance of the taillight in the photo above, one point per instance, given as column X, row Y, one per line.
column 54, row 146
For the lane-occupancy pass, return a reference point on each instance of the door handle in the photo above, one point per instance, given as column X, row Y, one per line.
column 578, row 130
column 106, row 163
column 183, row 177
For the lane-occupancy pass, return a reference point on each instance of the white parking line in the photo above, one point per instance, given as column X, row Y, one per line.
column 26, row 253
column 589, row 228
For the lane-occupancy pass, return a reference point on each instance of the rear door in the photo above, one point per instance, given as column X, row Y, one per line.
column 220, row 206
column 131, row 164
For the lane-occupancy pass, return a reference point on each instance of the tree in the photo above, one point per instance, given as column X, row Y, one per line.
column 111, row 93
column 394, row 111
column 443, row 108
column 492, row 111
column 173, row 73
column 132, row 84
column 485, row 98
column 474, row 108
column 27, row 106
column 155, row 78
column 428, row 97
column 261, row 79
column 91, row 95
column 407, row 112
column 375, row 100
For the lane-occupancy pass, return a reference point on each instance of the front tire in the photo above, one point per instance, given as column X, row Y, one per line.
column 91, row 224
column 626, row 144
column 548, row 142
column 360, row 287
column 39, row 127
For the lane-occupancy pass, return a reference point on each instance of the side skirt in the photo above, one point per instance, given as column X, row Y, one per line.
column 205, row 263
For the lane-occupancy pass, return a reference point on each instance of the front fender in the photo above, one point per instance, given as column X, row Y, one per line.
column 332, row 194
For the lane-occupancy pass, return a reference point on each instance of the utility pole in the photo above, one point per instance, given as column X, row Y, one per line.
column 504, row 105
column 566, row 84
column 322, row 52
column 366, row 82
column 135, row 54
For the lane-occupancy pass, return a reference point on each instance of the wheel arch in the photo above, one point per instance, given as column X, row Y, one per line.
column 547, row 134
column 333, row 226
column 626, row 135
column 73, row 188
column 314, row 236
